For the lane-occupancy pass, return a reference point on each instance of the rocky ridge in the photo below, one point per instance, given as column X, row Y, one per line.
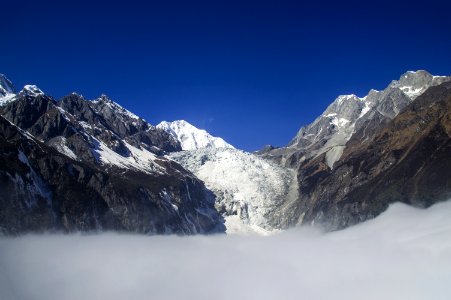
column 76, row 164
column 350, row 114
column 348, row 169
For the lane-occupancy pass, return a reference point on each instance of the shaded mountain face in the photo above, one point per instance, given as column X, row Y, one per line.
column 85, row 123
column 85, row 165
column 407, row 160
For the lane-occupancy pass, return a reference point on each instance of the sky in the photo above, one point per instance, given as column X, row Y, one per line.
column 404, row 253
column 252, row 72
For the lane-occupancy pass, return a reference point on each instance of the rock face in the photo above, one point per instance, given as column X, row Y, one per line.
column 192, row 138
column 85, row 165
column 362, row 154
column 407, row 161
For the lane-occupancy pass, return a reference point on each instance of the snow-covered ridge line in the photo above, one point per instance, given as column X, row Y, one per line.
column 191, row 137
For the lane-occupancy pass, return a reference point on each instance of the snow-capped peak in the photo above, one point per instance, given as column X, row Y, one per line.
column 342, row 98
column 414, row 83
column 192, row 138
column 31, row 90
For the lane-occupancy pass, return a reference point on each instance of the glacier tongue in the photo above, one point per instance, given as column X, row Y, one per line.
column 249, row 190
column 192, row 138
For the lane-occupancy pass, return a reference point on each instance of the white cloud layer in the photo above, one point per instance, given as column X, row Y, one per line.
column 403, row 254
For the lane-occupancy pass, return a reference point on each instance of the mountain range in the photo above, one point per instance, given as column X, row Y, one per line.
column 88, row 165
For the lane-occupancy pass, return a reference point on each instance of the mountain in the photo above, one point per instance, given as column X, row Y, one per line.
column 76, row 164
column 349, row 114
column 362, row 154
column 408, row 161
column 192, row 138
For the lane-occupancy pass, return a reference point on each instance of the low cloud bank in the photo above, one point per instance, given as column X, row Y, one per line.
column 403, row 254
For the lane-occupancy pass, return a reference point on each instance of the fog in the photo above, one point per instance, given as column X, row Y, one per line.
column 403, row 254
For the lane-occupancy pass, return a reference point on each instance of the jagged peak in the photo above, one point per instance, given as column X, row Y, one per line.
column 77, row 95
column 191, row 137
column 415, row 78
column 342, row 98
column 416, row 73
column 73, row 95
column 414, row 83
column 104, row 97
column 105, row 100
column 31, row 90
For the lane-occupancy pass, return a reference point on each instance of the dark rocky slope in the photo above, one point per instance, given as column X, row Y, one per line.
column 91, row 165
column 408, row 160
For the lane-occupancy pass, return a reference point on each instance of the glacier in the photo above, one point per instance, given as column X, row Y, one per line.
column 249, row 190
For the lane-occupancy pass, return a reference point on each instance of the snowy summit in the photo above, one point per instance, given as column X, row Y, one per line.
column 192, row 138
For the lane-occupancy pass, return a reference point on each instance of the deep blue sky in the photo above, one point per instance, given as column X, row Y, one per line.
column 252, row 72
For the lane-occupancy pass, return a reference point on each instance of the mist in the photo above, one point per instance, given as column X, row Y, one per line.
column 405, row 253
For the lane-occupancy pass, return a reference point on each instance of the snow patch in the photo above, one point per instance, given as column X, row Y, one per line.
column 37, row 187
column 365, row 109
column 8, row 98
column 139, row 159
column 61, row 146
column 412, row 92
column 340, row 122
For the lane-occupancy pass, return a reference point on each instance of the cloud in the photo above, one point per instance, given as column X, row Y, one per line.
column 403, row 254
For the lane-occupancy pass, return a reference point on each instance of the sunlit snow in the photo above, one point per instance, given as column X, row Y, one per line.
column 192, row 138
